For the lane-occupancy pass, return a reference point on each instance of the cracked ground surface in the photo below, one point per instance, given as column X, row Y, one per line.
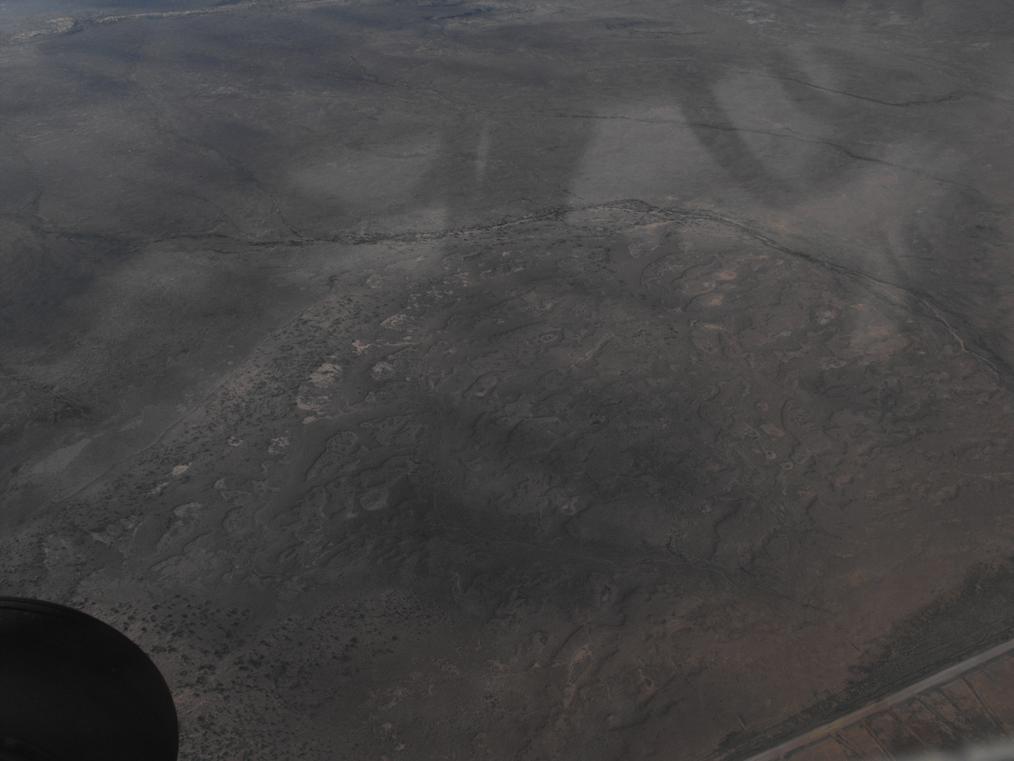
column 511, row 380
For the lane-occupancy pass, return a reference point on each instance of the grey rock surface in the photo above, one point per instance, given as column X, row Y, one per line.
column 511, row 380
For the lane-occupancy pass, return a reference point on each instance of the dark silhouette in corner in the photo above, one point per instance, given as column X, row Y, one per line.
column 72, row 687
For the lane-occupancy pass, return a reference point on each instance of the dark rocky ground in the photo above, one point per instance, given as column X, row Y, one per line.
column 511, row 380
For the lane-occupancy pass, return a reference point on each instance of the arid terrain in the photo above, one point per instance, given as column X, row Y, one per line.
column 524, row 379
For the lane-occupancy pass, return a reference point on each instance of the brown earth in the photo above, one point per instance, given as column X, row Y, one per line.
column 515, row 380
